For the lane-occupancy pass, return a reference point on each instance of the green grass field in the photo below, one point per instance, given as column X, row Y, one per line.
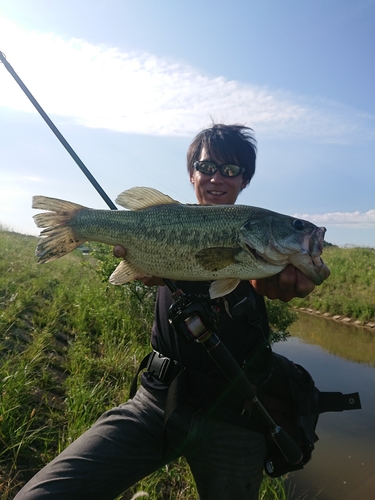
column 70, row 344
column 350, row 290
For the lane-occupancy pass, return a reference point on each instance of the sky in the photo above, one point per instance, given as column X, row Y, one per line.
column 129, row 83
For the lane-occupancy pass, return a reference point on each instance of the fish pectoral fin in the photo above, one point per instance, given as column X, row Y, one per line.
column 124, row 273
column 219, row 288
column 216, row 258
column 138, row 198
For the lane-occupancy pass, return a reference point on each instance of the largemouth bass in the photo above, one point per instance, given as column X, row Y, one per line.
column 167, row 239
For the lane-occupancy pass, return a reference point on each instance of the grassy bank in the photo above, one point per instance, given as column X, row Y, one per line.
column 69, row 346
column 350, row 290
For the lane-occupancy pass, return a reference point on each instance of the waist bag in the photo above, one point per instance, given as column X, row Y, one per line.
column 294, row 402
column 289, row 395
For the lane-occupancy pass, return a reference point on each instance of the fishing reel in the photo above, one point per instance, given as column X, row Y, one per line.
column 193, row 316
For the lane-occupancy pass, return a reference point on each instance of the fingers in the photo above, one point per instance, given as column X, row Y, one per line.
column 286, row 285
column 303, row 285
column 153, row 281
column 119, row 251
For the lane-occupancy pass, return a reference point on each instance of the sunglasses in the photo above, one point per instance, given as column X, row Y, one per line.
column 209, row 168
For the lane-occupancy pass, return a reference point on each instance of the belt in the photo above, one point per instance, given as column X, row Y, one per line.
column 161, row 367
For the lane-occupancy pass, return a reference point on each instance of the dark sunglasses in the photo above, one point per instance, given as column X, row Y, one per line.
column 209, row 168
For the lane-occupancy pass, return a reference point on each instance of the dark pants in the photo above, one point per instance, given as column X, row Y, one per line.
column 125, row 445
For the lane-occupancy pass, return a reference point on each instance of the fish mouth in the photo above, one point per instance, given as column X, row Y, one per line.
column 316, row 260
column 312, row 248
column 315, row 249
column 317, row 270
column 323, row 271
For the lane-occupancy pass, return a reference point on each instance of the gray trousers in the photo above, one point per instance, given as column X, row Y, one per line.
column 125, row 445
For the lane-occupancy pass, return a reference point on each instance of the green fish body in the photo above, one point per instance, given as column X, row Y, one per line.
column 163, row 238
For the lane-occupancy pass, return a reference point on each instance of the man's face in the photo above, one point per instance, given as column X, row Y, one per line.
column 216, row 189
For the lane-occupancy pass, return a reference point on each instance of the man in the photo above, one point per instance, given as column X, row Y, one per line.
column 189, row 409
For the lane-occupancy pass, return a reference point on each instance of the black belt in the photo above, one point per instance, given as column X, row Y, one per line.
column 160, row 367
column 163, row 368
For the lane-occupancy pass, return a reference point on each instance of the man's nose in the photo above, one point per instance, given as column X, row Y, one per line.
column 217, row 177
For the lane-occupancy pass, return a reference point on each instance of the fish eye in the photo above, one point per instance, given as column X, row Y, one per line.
column 298, row 224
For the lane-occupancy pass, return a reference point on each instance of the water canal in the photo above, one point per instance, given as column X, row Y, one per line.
column 341, row 358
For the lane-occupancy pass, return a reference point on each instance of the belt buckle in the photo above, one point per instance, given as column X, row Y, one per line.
column 158, row 365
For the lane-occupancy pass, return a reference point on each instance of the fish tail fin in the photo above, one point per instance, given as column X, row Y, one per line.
column 58, row 238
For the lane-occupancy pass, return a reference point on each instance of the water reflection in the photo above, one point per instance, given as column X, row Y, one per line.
column 343, row 463
column 344, row 340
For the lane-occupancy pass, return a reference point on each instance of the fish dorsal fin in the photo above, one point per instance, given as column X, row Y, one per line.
column 138, row 198
column 219, row 288
column 124, row 273
column 216, row 258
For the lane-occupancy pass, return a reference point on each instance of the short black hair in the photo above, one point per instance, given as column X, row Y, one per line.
column 229, row 143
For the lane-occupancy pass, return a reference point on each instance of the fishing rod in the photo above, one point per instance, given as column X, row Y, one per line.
column 187, row 314
column 61, row 138
column 57, row 133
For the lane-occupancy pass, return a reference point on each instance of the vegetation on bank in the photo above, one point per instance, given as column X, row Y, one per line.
column 70, row 344
column 350, row 289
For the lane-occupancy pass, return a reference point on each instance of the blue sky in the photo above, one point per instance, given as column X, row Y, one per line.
column 129, row 83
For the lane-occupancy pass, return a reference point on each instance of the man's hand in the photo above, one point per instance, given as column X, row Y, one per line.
column 120, row 252
column 290, row 283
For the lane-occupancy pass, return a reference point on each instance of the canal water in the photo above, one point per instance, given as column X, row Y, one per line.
column 341, row 358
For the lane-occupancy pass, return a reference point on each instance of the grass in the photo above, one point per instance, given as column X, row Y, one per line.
column 70, row 344
column 350, row 290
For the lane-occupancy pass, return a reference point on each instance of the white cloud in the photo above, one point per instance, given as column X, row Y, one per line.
column 349, row 219
column 103, row 87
